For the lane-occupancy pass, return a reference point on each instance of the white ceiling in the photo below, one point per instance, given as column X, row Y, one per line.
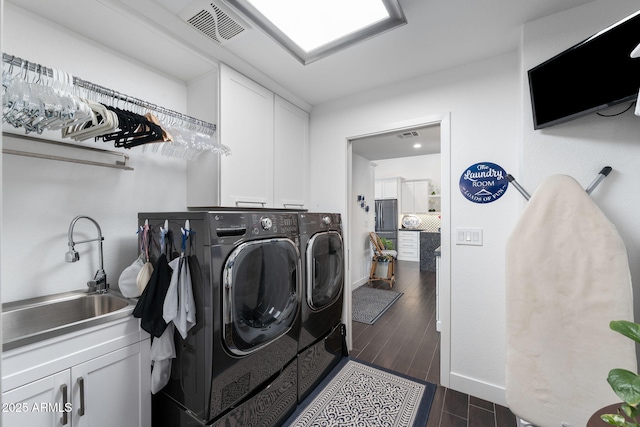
column 392, row 145
column 439, row 35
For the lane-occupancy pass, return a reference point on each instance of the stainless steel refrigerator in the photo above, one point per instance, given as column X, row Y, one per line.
column 387, row 220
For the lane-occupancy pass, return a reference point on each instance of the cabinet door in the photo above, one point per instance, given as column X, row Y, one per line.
column 113, row 390
column 291, row 136
column 42, row 403
column 378, row 189
column 421, row 197
column 408, row 189
column 390, row 189
column 246, row 127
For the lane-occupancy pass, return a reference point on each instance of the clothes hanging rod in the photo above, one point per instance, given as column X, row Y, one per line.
column 84, row 84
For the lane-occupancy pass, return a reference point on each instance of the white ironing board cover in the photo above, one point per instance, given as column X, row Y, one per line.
column 567, row 277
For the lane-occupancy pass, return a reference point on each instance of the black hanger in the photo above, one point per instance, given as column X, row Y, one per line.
column 134, row 130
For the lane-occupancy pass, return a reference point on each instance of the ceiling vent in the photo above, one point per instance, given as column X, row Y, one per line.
column 409, row 134
column 215, row 20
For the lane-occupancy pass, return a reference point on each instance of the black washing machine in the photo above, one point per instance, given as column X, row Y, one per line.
column 321, row 339
column 238, row 364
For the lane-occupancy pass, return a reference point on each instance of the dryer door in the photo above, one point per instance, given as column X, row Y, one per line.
column 325, row 269
column 260, row 293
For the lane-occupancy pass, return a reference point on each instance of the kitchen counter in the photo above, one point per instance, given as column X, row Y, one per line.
column 429, row 242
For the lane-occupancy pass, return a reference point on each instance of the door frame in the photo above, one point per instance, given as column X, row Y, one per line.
column 444, row 120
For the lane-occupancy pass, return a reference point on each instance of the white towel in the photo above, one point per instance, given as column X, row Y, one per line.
column 162, row 351
column 179, row 305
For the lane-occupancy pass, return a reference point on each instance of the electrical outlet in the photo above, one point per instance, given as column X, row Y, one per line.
column 469, row 236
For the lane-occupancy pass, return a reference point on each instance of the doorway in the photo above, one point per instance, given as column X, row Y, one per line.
column 375, row 143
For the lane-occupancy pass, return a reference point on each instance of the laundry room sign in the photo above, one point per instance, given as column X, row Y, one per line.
column 483, row 182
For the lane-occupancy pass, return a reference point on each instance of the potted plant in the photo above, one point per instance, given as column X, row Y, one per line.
column 388, row 244
column 624, row 383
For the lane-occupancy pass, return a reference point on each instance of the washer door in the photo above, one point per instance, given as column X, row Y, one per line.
column 325, row 269
column 260, row 293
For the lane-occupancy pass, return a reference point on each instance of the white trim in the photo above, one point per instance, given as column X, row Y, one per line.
column 473, row 387
column 444, row 120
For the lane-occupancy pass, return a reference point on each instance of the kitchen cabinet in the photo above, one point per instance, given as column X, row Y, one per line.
column 415, row 196
column 387, row 188
column 268, row 137
column 89, row 382
column 409, row 246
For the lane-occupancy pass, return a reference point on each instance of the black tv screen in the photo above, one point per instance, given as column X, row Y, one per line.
column 594, row 74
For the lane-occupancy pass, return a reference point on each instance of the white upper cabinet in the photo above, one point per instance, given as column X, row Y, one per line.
column 291, row 139
column 415, row 196
column 246, row 126
column 387, row 188
column 268, row 137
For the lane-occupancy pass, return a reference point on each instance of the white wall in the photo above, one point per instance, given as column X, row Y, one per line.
column 415, row 167
column 483, row 99
column 41, row 197
column 580, row 148
column 361, row 222
column 491, row 121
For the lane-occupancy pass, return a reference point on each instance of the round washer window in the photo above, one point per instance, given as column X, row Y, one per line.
column 260, row 293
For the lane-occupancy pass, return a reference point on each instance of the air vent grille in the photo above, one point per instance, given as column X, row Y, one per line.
column 410, row 134
column 227, row 27
column 215, row 22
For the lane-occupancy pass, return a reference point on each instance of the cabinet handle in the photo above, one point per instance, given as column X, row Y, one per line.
column 65, row 400
column 81, row 385
column 286, row 205
column 249, row 202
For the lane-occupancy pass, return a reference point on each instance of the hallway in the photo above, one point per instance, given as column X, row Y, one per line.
column 405, row 340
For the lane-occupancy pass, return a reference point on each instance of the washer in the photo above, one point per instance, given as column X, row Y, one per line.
column 238, row 365
column 321, row 339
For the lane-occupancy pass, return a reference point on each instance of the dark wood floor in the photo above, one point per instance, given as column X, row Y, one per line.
column 405, row 340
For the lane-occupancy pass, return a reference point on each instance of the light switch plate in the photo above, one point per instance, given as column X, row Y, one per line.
column 469, row 236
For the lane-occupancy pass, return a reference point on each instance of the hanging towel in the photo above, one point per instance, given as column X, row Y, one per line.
column 567, row 277
column 149, row 306
column 179, row 305
column 162, row 351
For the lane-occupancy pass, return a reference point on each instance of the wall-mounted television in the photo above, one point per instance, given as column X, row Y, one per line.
column 594, row 74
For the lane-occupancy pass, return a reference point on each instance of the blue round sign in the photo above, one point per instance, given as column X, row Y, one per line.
column 483, row 182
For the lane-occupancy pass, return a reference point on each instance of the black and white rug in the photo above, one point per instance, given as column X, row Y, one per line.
column 358, row 394
column 368, row 304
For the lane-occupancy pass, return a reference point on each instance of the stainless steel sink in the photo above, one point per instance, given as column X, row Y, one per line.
column 28, row 321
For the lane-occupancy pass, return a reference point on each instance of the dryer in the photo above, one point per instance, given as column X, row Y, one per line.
column 238, row 365
column 321, row 339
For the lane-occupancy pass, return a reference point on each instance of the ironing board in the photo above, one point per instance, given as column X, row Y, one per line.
column 567, row 277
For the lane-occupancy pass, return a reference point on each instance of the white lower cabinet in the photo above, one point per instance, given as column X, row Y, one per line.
column 112, row 389
column 409, row 245
column 39, row 403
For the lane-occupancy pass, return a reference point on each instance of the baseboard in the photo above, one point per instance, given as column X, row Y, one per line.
column 491, row 392
column 359, row 282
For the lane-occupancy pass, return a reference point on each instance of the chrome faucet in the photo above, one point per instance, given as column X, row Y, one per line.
column 99, row 282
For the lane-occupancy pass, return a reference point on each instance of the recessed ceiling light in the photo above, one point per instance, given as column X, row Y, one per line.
column 417, row 145
column 313, row 29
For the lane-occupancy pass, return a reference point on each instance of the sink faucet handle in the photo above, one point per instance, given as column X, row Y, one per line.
column 72, row 255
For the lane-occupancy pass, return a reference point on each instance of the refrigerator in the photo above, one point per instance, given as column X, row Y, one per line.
column 387, row 220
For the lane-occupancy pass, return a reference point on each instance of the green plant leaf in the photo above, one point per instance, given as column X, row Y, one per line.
column 626, row 385
column 626, row 328
column 630, row 411
column 614, row 419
